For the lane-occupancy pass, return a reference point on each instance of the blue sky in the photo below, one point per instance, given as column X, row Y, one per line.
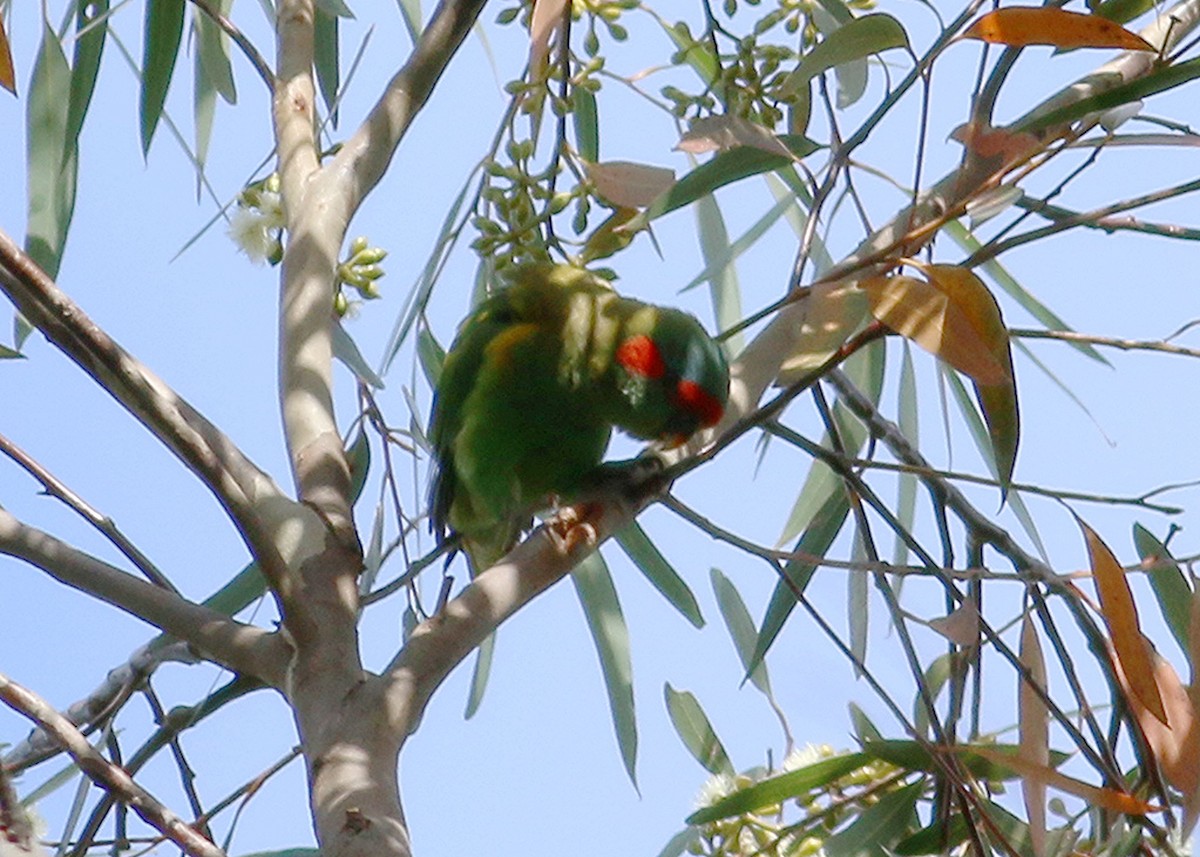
column 537, row 771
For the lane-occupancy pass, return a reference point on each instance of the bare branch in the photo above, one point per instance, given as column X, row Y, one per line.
column 105, row 774
column 241, row 487
column 1109, row 341
column 242, row 648
column 104, row 700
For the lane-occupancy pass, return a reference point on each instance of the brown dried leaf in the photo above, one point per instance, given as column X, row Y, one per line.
column 1020, row 26
column 946, row 323
column 8, row 75
column 1120, row 614
column 1095, row 795
column 713, row 133
column 629, row 185
column 1034, row 742
column 961, row 626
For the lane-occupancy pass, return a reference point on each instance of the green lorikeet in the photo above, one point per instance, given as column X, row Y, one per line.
column 536, row 379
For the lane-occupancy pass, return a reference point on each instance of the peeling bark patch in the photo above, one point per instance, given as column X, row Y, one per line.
column 355, row 822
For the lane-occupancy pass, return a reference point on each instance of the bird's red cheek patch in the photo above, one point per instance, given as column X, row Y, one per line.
column 640, row 356
column 696, row 400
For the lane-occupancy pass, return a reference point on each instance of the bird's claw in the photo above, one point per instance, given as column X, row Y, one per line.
column 572, row 527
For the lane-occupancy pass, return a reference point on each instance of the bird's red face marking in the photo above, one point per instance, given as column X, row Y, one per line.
column 696, row 400
column 640, row 356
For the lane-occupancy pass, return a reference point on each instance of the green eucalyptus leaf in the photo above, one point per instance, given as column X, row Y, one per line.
column 879, row 826
column 775, row 790
column 602, row 609
column 1168, row 582
column 51, row 156
column 650, row 561
column 326, row 59
column 587, row 124
column 164, row 34
column 695, row 730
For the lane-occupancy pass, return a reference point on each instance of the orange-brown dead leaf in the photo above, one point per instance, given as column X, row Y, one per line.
column 1120, row 614
column 1034, row 742
column 8, row 75
column 1175, row 744
column 1106, row 798
column 987, row 143
column 1021, row 26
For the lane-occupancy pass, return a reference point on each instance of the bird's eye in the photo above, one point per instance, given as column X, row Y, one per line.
column 699, row 402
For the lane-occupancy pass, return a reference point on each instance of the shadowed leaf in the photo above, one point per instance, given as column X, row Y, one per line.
column 164, row 33
column 650, row 561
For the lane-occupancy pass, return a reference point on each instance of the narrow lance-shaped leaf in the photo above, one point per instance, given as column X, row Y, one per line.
column 650, row 561
column 50, row 156
column 587, row 124
column 695, row 730
column 741, row 629
column 1034, row 722
column 480, row 674
column 1167, row 580
column 212, row 51
column 327, row 59
column 857, row 39
column 8, row 74
column 91, row 31
column 1021, row 26
column 204, row 110
column 164, row 33
column 1120, row 615
column 775, row 790
column 1095, row 795
column 906, row 500
column 879, row 826
column 724, row 289
column 602, row 609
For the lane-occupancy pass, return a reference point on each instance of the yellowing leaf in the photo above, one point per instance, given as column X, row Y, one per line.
column 1095, row 795
column 1120, row 614
column 832, row 312
column 1020, row 26
column 8, row 76
column 1175, row 744
column 546, row 18
column 1034, row 722
column 943, row 319
column 629, row 185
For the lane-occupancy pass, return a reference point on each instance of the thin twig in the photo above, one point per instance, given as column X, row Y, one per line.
column 1107, row 341
column 103, row 773
column 55, row 488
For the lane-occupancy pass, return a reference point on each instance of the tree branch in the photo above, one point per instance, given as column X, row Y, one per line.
column 239, row 647
column 251, row 499
column 104, row 773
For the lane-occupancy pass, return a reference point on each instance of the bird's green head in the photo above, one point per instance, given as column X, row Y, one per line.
column 672, row 376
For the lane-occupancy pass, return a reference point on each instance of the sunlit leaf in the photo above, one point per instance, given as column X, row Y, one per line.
column 1021, row 26
column 650, row 561
column 1176, row 746
column 725, row 168
column 629, row 185
column 777, row 789
column 546, row 18
column 51, row 156
column 922, row 311
column 598, row 596
column 856, row 39
column 1095, row 795
column 164, row 33
column 695, row 730
column 410, row 11
column 1167, row 580
column 1034, row 722
column 717, row 133
column 832, row 312
column 213, row 52
column 879, row 826
column 1159, row 80
column 724, row 289
column 1120, row 615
